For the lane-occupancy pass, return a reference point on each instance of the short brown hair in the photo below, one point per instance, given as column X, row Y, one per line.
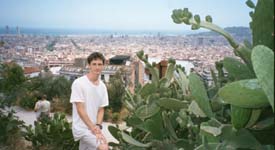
column 94, row 56
column 44, row 96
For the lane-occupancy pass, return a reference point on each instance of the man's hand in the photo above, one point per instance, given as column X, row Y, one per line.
column 95, row 130
column 103, row 145
column 101, row 139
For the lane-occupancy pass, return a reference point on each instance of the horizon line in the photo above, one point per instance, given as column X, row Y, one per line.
column 106, row 29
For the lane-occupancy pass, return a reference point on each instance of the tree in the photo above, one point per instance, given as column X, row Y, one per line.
column 12, row 76
column 116, row 90
column 11, row 80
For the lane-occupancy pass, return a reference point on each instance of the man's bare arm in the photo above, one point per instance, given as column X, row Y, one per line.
column 100, row 115
column 49, row 108
column 85, row 118
column 36, row 107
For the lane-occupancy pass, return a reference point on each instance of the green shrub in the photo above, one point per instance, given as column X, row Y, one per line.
column 115, row 117
column 9, row 128
column 28, row 101
column 116, row 90
column 52, row 134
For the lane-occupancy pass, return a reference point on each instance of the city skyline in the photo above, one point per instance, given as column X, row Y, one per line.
column 117, row 15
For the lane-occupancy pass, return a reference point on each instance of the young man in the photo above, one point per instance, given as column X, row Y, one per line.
column 89, row 97
column 42, row 107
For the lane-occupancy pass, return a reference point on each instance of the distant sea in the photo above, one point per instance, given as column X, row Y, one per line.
column 63, row 32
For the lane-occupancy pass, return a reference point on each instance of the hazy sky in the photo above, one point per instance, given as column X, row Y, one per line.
column 118, row 14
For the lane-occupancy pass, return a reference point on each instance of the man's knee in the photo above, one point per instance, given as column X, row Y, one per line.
column 86, row 143
column 103, row 147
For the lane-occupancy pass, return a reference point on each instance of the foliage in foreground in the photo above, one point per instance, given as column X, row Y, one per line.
column 9, row 128
column 51, row 133
column 179, row 112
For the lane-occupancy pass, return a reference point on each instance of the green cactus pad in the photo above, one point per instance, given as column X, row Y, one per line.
column 199, row 93
column 263, row 64
column 244, row 93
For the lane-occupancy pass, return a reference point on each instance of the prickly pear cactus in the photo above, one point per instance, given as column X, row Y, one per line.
column 262, row 24
column 263, row 63
column 247, row 86
column 154, row 108
column 180, row 112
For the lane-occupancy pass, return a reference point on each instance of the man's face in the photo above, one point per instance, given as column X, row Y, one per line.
column 96, row 66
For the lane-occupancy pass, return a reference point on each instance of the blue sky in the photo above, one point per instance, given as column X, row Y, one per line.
column 118, row 14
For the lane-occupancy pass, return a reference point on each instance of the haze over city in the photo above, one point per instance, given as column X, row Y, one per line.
column 117, row 15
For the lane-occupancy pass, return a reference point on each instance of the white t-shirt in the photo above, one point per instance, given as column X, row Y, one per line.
column 93, row 97
column 42, row 106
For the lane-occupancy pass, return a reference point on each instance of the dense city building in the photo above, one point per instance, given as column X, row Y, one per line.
column 66, row 55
